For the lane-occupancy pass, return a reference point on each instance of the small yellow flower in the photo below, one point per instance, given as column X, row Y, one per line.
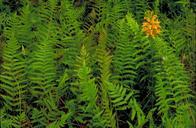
column 151, row 25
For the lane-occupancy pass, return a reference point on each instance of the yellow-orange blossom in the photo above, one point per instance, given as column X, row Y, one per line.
column 151, row 25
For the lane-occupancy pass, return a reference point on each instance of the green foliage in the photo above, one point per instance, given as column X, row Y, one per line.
column 104, row 61
column 13, row 83
column 87, row 63
column 124, row 62
column 138, row 7
column 70, row 35
column 41, row 70
column 87, row 86
column 172, row 89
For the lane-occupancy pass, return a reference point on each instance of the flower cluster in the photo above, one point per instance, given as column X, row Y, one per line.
column 151, row 25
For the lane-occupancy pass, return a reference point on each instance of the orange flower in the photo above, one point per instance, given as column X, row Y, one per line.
column 151, row 25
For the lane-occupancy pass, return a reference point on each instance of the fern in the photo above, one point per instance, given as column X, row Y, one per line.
column 87, row 87
column 144, row 63
column 70, row 36
column 172, row 89
column 118, row 96
column 17, row 121
column 59, row 123
column 138, row 7
column 104, row 61
column 21, row 121
column 25, row 25
column 182, row 40
column 37, row 119
column 132, row 64
column 174, row 38
column 6, row 123
column 121, row 98
column 87, row 63
column 103, row 13
column 110, row 12
column 42, row 67
column 123, row 61
column 13, row 86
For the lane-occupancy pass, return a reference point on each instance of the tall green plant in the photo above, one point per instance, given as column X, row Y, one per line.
column 172, row 89
column 88, row 64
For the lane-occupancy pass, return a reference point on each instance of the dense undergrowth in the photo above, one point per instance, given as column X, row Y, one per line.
column 88, row 64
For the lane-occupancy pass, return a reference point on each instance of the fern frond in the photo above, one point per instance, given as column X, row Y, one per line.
column 124, row 62
column 71, row 34
column 91, row 17
column 42, row 66
column 110, row 12
column 85, row 90
column 138, row 7
column 123, row 99
column 21, row 25
column 130, row 59
column 103, row 13
column 61, row 122
column 24, row 29
column 17, row 121
column 172, row 88
column 20, row 121
column 104, row 60
column 87, row 86
column 38, row 118
column 47, row 10
column 12, row 77
column 144, row 60
column 108, row 115
column 119, row 97
column 5, row 121
column 174, row 36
